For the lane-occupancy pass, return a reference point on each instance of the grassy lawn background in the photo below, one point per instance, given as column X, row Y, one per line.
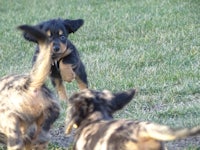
column 151, row 45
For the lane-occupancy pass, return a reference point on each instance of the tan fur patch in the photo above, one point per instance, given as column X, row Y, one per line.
column 106, row 95
column 81, row 84
column 149, row 144
column 131, row 146
column 48, row 33
column 60, row 32
column 67, row 72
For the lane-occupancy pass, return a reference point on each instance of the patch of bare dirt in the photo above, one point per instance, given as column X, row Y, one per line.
column 192, row 142
column 59, row 137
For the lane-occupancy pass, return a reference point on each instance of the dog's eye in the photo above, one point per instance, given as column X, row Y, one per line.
column 62, row 38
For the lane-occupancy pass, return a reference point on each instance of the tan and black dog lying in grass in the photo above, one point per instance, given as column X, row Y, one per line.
column 91, row 112
column 27, row 107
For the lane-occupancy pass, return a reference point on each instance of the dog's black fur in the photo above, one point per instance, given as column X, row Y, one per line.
column 67, row 63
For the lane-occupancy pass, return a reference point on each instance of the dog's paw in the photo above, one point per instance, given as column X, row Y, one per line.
column 67, row 72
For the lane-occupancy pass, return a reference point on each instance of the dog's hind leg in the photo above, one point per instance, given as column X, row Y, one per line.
column 81, row 77
column 14, row 140
column 81, row 84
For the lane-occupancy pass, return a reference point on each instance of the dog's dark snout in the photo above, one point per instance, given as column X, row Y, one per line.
column 56, row 48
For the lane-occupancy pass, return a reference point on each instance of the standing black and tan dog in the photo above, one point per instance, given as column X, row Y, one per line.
column 91, row 113
column 67, row 64
column 27, row 107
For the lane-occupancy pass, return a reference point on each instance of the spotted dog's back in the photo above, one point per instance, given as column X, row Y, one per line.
column 27, row 107
column 91, row 113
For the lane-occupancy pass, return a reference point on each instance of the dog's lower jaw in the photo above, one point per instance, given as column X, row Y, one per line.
column 58, row 56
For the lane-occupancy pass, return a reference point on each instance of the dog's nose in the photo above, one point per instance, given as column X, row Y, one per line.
column 56, row 48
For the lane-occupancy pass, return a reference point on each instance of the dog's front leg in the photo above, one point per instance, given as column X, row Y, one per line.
column 66, row 72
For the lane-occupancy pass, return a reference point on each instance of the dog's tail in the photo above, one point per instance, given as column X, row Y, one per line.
column 165, row 133
column 41, row 67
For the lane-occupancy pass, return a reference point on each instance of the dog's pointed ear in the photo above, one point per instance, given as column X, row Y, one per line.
column 73, row 25
column 31, row 38
column 121, row 99
column 34, row 32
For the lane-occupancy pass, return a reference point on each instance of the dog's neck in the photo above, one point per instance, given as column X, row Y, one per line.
column 58, row 59
column 95, row 117
column 59, row 56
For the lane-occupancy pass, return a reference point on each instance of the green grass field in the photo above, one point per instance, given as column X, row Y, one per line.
column 152, row 45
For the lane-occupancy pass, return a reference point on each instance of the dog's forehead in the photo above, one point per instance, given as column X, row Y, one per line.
column 107, row 95
column 54, row 27
column 96, row 94
column 81, row 96
column 86, row 93
column 92, row 96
